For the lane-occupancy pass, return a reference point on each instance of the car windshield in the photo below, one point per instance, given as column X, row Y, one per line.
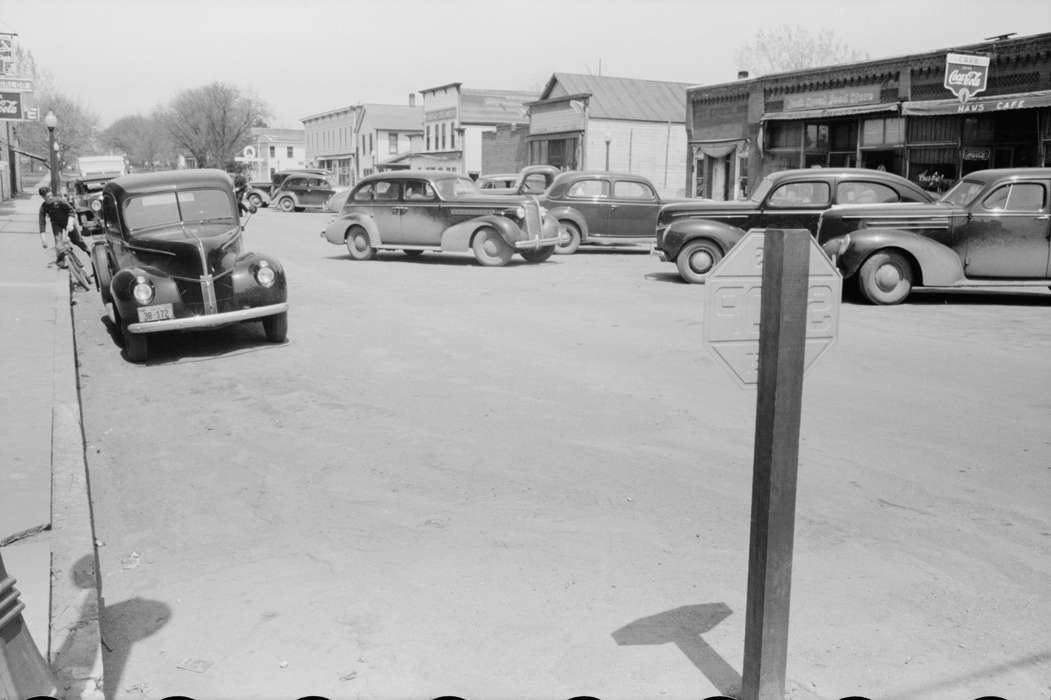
column 454, row 188
column 150, row 211
column 963, row 193
column 761, row 190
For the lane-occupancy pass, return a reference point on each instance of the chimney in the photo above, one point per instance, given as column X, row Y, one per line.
column 412, row 99
column 742, row 75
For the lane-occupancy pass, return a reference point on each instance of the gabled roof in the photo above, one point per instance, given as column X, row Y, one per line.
column 279, row 135
column 494, row 106
column 390, row 117
column 622, row 98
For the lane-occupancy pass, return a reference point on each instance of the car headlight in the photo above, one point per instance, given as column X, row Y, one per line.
column 142, row 291
column 96, row 205
column 264, row 274
column 520, row 212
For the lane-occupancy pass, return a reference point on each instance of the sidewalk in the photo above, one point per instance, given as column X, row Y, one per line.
column 45, row 522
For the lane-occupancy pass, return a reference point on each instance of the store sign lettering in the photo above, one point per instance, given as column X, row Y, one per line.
column 966, row 75
column 847, row 97
column 996, row 106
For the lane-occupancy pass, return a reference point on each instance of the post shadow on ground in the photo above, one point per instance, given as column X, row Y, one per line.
column 683, row 627
column 121, row 625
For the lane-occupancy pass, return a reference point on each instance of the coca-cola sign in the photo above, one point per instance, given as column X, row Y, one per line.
column 966, row 74
column 10, row 105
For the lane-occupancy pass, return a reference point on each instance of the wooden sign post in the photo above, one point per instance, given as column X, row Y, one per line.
column 782, row 332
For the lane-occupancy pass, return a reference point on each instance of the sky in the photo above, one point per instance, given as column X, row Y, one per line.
column 302, row 57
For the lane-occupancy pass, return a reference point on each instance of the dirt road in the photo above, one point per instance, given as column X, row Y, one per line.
column 534, row 482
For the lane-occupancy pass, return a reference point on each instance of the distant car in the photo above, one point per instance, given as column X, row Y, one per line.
column 440, row 211
column 301, row 191
column 337, row 200
column 532, row 179
column 603, row 208
column 993, row 228
column 172, row 259
column 85, row 194
column 696, row 234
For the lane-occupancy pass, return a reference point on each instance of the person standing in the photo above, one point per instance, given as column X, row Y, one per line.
column 61, row 214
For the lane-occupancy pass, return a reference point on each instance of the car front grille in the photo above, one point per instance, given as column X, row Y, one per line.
column 532, row 217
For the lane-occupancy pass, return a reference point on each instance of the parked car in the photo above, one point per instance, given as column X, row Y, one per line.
column 85, row 194
column 172, row 258
column 440, row 211
column 993, row 228
column 335, row 203
column 696, row 234
column 532, row 179
column 602, row 208
column 301, row 191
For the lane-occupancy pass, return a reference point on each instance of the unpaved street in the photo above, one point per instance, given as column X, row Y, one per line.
column 534, row 482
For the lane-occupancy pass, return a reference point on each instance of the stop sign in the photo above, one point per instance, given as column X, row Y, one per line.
column 732, row 306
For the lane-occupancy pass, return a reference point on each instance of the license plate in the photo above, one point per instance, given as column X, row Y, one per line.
column 158, row 312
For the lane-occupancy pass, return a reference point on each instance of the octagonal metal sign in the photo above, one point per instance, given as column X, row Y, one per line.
column 732, row 306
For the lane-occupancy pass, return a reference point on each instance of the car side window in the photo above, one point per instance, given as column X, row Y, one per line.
column 589, row 188
column 534, row 183
column 630, row 189
column 386, row 190
column 418, row 191
column 1021, row 197
column 363, row 193
column 864, row 193
column 800, row 194
column 109, row 213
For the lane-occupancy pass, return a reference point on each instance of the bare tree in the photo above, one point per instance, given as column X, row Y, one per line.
column 785, row 48
column 213, row 122
column 75, row 135
column 144, row 140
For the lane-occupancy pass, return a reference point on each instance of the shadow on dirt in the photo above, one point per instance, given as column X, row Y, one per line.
column 169, row 348
column 683, row 627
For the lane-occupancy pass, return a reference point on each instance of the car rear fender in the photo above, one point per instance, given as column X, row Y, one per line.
column 934, row 263
column 572, row 215
column 679, row 233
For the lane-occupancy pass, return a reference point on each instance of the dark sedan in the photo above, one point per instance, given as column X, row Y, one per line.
column 696, row 234
column 602, row 208
column 172, row 259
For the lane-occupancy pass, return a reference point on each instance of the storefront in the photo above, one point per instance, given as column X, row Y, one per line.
column 930, row 117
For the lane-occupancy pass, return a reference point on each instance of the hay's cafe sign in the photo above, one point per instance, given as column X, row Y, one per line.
column 965, row 76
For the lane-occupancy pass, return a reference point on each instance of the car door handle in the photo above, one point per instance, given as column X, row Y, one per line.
column 1043, row 217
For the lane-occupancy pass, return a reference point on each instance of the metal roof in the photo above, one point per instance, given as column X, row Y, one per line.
column 391, row 117
column 623, row 98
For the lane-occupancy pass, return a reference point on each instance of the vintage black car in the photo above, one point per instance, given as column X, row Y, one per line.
column 993, row 228
column 301, row 191
column 440, row 211
column 603, row 208
column 172, row 258
column 85, row 194
column 696, row 234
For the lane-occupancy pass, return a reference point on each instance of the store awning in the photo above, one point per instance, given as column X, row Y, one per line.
column 717, row 148
column 997, row 103
column 832, row 112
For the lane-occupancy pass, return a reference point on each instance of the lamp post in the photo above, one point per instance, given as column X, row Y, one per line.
column 608, row 139
column 51, row 121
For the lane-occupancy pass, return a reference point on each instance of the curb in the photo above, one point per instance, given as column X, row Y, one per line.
column 75, row 644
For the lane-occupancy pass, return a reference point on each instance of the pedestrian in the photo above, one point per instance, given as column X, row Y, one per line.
column 63, row 219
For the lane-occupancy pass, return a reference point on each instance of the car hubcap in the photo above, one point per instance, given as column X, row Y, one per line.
column 701, row 261
column 888, row 277
column 491, row 247
column 360, row 244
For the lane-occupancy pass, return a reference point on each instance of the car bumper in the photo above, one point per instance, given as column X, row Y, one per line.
column 208, row 321
column 534, row 243
column 658, row 253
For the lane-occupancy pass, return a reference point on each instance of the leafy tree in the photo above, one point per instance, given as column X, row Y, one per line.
column 213, row 122
column 785, row 48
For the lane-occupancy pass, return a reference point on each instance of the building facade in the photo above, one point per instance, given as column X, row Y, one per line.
column 385, row 134
column 273, row 150
column 930, row 117
column 594, row 122
column 330, row 143
column 456, row 118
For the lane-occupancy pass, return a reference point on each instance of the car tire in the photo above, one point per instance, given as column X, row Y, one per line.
column 412, row 252
column 490, row 249
column 885, row 278
column 358, row 244
column 539, row 255
column 255, row 200
column 696, row 260
column 136, row 345
column 287, row 205
column 103, row 273
column 573, row 244
column 276, row 327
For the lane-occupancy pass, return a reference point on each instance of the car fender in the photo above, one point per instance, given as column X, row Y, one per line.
column 936, row 263
column 337, row 230
column 165, row 291
column 679, row 233
column 248, row 291
column 570, row 214
column 458, row 238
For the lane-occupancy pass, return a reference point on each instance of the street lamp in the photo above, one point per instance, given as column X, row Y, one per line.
column 51, row 121
column 608, row 139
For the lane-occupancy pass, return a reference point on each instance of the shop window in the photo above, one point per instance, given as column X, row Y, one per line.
column 843, row 136
column 932, row 129
column 816, row 137
column 783, row 135
column 883, row 132
column 977, row 130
